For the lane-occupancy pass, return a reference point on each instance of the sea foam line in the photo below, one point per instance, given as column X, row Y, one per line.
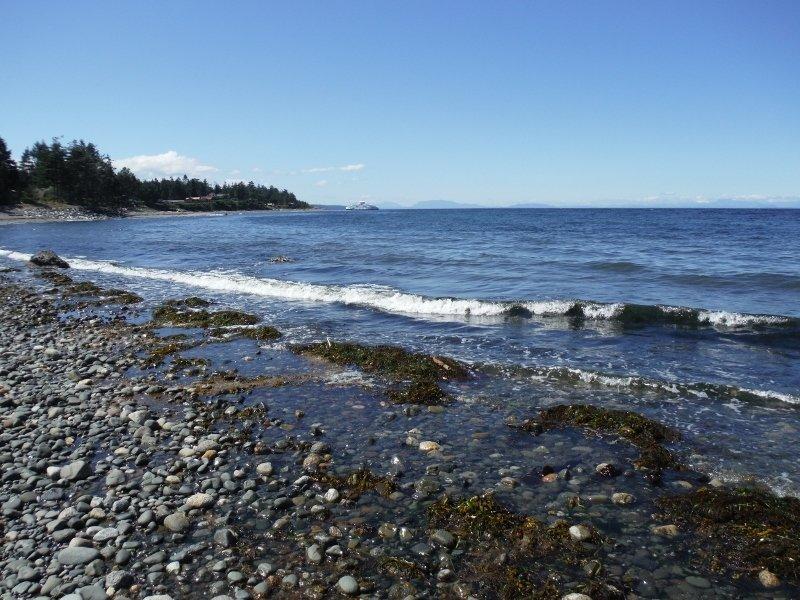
column 635, row 382
column 394, row 301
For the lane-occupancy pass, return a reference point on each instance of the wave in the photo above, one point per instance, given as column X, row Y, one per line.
column 394, row 301
column 637, row 383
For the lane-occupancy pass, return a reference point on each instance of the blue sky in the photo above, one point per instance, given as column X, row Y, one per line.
column 483, row 102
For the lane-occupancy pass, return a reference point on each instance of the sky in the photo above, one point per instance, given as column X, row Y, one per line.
column 490, row 103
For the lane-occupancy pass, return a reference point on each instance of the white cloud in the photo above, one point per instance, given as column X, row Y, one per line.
column 321, row 183
column 236, row 172
column 354, row 167
column 256, row 169
column 168, row 164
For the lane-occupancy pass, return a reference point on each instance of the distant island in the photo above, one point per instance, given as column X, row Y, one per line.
column 78, row 174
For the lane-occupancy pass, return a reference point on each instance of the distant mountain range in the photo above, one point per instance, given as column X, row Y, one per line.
column 666, row 203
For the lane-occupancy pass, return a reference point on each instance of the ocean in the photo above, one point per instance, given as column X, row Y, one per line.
column 691, row 317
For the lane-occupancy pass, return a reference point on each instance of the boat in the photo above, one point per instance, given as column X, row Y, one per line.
column 361, row 206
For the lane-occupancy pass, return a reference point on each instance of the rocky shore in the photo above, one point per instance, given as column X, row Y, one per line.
column 195, row 457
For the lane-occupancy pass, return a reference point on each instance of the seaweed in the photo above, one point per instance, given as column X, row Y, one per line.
column 400, row 568
column 507, row 554
column 358, row 482
column 262, row 333
column 230, row 383
column 55, row 277
column 740, row 530
column 420, row 391
column 416, row 375
column 168, row 315
column 190, row 302
column 644, row 433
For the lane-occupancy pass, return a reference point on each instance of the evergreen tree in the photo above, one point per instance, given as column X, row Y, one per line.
column 9, row 175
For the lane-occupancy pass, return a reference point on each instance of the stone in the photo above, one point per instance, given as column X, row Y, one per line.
column 347, row 585
column 313, row 554
column 623, row 498
column 429, row 446
column 576, row 596
column 444, row 538
column 77, row 555
column 225, row 538
column 606, row 470
column 264, row 469
column 119, row 580
column 666, row 530
column 176, row 522
column 115, row 477
column 580, row 533
column 332, row 495
column 75, row 471
column 768, row 579
column 200, row 500
column 48, row 258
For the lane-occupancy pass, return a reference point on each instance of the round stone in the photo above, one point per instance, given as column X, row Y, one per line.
column 176, row 522
column 348, row 585
column 580, row 533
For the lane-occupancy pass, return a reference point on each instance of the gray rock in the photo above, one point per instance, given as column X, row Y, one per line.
column 313, row 554
column 176, row 522
column 48, row 258
column 347, row 585
column 77, row 555
column 444, row 538
column 75, row 471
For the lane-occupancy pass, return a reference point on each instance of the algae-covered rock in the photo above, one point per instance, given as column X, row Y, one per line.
column 644, row 433
column 416, row 376
column 743, row 530
column 169, row 315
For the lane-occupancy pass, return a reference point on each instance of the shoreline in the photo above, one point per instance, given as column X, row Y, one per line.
column 72, row 214
column 144, row 462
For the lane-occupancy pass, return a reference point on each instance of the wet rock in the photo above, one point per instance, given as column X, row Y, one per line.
column 264, row 469
column 225, row 538
column 347, row 585
column 622, row 498
column 200, row 500
column 313, row 554
column 429, row 446
column 580, row 533
column 768, row 579
column 176, row 522
column 48, row 258
column 669, row 531
column 606, row 470
column 75, row 471
column 443, row 538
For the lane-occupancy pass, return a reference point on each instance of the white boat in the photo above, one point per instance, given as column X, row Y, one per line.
column 361, row 206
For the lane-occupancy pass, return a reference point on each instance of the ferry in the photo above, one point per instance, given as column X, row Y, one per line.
column 361, row 206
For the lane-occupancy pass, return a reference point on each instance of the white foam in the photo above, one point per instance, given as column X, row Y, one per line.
column 636, row 382
column 732, row 319
column 382, row 298
column 770, row 395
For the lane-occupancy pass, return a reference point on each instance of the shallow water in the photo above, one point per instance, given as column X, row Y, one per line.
column 443, row 281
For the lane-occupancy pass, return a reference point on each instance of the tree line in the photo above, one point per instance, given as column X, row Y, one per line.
column 78, row 173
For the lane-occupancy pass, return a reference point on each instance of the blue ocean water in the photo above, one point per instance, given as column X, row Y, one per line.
column 691, row 315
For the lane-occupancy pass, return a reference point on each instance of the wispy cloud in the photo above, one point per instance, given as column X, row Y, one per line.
column 321, row 183
column 168, row 164
column 347, row 168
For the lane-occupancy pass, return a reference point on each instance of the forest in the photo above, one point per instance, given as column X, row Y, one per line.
column 77, row 173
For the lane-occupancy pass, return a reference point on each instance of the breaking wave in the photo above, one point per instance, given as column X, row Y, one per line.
column 636, row 383
column 391, row 300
